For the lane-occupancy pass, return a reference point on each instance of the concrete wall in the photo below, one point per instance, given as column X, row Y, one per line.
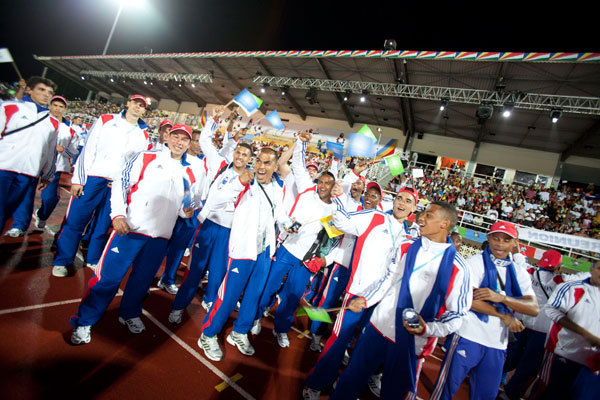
column 444, row 146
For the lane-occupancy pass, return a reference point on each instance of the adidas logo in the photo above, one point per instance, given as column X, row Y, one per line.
column 502, row 227
column 197, row 245
column 462, row 353
column 335, row 279
column 236, row 270
column 115, row 250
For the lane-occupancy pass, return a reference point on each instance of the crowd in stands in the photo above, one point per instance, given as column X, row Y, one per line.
column 564, row 210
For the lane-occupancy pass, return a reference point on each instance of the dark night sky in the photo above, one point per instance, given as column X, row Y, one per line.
column 71, row 27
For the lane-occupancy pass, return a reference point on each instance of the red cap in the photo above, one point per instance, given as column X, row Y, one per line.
column 138, row 97
column 312, row 164
column 182, row 127
column 375, row 185
column 412, row 191
column 165, row 122
column 60, row 98
column 364, row 180
column 550, row 259
column 504, row 227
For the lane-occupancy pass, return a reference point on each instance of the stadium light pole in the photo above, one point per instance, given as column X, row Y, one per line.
column 122, row 3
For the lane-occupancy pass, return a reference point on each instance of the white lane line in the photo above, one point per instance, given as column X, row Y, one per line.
column 38, row 306
column 194, row 353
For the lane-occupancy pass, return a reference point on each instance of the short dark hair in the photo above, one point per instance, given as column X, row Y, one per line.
column 247, row 146
column 270, row 151
column 449, row 212
column 454, row 234
column 33, row 81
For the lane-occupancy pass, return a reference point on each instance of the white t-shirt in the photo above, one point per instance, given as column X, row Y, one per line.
column 492, row 333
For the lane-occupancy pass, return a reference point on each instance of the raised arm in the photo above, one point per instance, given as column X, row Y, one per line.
column 303, row 179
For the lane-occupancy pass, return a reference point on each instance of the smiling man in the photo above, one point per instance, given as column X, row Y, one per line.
column 112, row 141
column 28, row 136
column 145, row 202
column 258, row 208
column 426, row 278
column 479, row 347
column 378, row 234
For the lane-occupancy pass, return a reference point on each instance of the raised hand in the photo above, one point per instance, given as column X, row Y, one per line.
column 246, row 176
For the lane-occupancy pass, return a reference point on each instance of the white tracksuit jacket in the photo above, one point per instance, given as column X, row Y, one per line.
column 30, row 151
column 308, row 208
column 385, row 293
column 112, row 141
column 67, row 138
column 150, row 193
column 580, row 302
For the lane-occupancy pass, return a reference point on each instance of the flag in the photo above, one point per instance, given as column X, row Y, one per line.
column 388, row 149
column 330, row 228
column 203, row 119
column 248, row 102
column 5, row 56
column 365, row 130
column 247, row 138
column 360, row 145
column 417, row 173
column 337, row 149
column 317, row 314
column 273, row 118
column 394, row 163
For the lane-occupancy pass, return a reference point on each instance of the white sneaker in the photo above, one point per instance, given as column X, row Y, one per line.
column 39, row 223
column 282, row 339
column 171, row 289
column 60, row 271
column 211, row 347
column 315, row 343
column 310, row 394
column 206, row 305
column 256, row 327
column 237, row 306
column 375, row 384
column 81, row 335
column 186, row 253
column 92, row 266
column 266, row 312
column 175, row 316
column 135, row 325
column 14, row 232
column 240, row 340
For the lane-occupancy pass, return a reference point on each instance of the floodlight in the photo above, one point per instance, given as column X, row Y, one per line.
column 389, row 44
column 443, row 104
column 555, row 115
column 507, row 110
column 284, row 90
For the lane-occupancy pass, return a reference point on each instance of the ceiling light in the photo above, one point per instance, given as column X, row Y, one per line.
column 264, row 87
column 555, row 115
column 145, row 82
column 389, row 44
column 347, row 95
column 484, row 111
column 443, row 104
column 507, row 110
column 284, row 90
column 363, row 96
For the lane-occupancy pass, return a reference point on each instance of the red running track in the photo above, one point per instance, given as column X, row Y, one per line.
column 38, row 361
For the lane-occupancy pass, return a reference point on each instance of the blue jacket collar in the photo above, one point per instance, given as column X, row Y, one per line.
column 39, row 108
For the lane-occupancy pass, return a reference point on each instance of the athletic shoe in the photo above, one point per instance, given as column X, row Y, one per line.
column 60, row 271
column 282, row 339
column 266, row 312
column 240, row 340
column 211, row 347
column 171, row 289
column 310, row 394
column 375, row 384
column 92, row 266
column 346, row 359
column 14, row 232
column 135, row 325
column 256, row 327
column 237, row 306
column 206, row 305
column 175, row 316
column 315, row 343
column 186, row 253
column 81, row 335
column 39, row 223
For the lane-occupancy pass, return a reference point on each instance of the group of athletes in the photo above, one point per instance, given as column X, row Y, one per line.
column 262, row 236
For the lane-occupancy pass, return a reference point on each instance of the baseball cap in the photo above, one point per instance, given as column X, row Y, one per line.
column 312, row 164
column 364, row 180
column 59, row 98
column 138, row 97
column 182, row 127
column 410, row 190
column 504, row 227
column 375, row 185
column 550, row 259
column 165, row 122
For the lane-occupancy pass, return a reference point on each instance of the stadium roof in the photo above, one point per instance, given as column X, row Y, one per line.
column 404, row 89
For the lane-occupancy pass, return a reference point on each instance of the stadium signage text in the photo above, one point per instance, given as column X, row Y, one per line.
column 559, row 239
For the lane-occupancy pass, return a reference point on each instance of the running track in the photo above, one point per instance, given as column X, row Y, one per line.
column 38, row 361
